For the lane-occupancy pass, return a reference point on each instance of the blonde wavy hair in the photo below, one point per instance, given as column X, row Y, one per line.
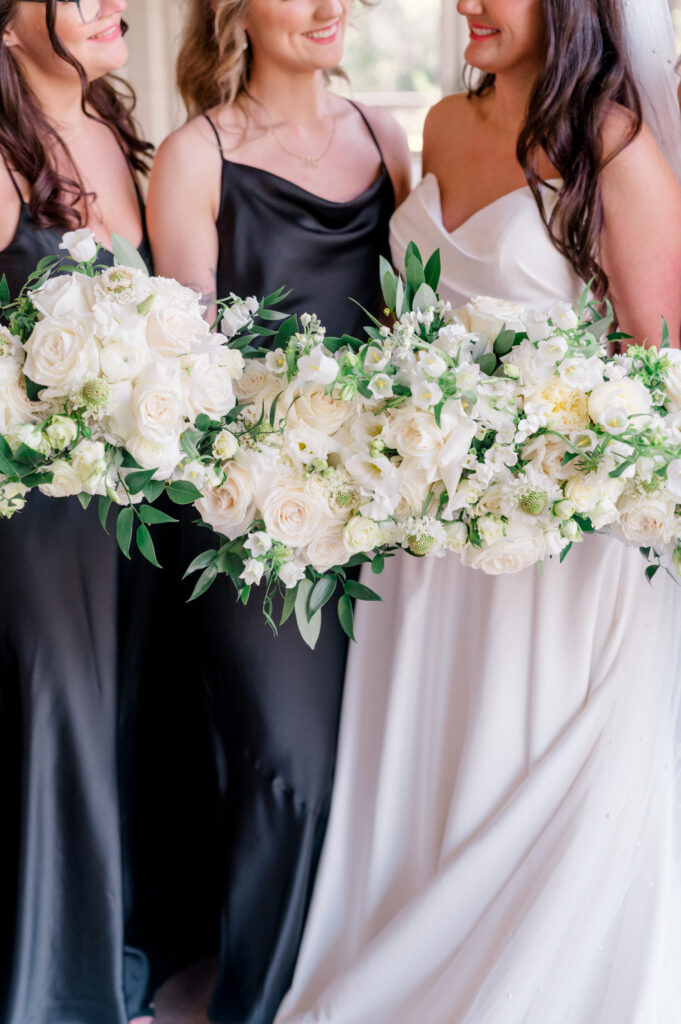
column 214, row 63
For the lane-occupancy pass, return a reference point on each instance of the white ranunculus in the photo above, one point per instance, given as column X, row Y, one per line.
column 156, row 403
column 89, row 462
column 65, row 480
column 161, row 456
column 328, row 549
column 81, row 245
column 62, row 354
column 229, row 508
column 63, row 295
column 360, row 534
column 292, row 513
column 253, row 572
column 318, row 367
column 491, row 315
column 521, row 547
column 121, row 360
column 12, row 498
column 61, row 431
column 206, row 388
column 318, row 410
column 646, row 521
column 629, row 395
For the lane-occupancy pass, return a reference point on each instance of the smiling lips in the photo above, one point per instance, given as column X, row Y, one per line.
column 481, row 32
column 324, row 35
column 107, row 35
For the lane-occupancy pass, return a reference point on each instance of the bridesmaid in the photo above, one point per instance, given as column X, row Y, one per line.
column 274, row 180
column 70, row 154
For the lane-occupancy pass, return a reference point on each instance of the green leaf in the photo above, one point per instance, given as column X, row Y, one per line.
column 488, row 364
column 414, row 273
column 144, row 307
column 273, row 409
column 413, row 252
column 321, row 593
column 272, row 314
column 137, row 481
column 146, row 545
column 433, row 269
column 153, row 490
column 360, row 592
column 202, row 423
column 378, row 565
column 182, row 492
column 124, row 525
column 32, row 389
column 152, row 516
column 424, row 297
column 130, row 462
column 651, row 572
column 205, row 580
column 125, row 254
column 84, row 499
column 309, row 628
column 666, row 343
column 504, row 342
column 36, row 478
column 285, row 332
column 5, row 296
column 28, row 456
column 400, row 298
column 103, row 510
column 645, row 552
column 388, row 282
column 564, row 553
column 202, row 561
column 188, row 441
column 346, row 616
column 289, row 605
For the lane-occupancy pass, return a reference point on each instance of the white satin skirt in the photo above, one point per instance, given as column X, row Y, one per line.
column 501, row 847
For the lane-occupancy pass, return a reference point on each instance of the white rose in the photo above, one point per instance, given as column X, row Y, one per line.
column 414, row 487
column 89, row 462
column 161, row 456
column 586, row 490
column 318, row 367
column 360, row 534
column 292, row 515
column 646, row 521
column 629, row 395
column 321, row 411
column 230, row 508
column 81, row 245
column 157, row 404
column 15, row 405
column 547, row 454
column 61, row 431
column 225, row 445
column 119, row 422
column 456, row 535
column 327, row 549
column 62, row 354
column 491, row 315
column 12, row 498
column 168, row 290
column 522, row 547
column 491, row 529
column 415, row 435
column 65, row 480
column 171, row 329
column 206, row 387
column 67, row 293
column 255, row 381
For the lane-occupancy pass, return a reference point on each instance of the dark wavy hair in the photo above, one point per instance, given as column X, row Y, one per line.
column 27, row 139
column 585, row 70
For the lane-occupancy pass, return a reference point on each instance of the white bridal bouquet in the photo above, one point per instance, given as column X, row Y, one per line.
column 497, row 432
column 102, row 370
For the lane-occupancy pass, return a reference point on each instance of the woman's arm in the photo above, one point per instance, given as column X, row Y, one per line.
column 640, row 246
column 182, row 208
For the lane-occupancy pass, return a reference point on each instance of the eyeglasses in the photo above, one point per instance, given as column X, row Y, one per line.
column 89, row 10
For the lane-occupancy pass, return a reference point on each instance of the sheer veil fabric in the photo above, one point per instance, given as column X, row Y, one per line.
column 502, row 845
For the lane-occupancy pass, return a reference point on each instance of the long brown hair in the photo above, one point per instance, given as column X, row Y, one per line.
column 28, row 140
column 214, row 62
column 585, row 70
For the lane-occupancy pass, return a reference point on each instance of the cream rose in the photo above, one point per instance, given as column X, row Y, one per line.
column 61, row 431
column 491, row 315
column 361, row 534
column 229, row 508
column 586, row 491
column 628, row 395
column 520, row 548
column 547, row 454
column 207, row 388
column 12, row 498
column 62, row 354
column 89, row 463
column 255, row 380
column 291, row 513
column 156, row 403
column 568, row 407
column 327, row 549
column 65, row 480
column 646, row 521
column 318, row 410
column 172, row 329
column 15, row 406
column 162, row 457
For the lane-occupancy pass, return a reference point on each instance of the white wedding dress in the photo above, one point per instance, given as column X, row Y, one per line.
column 501, row 844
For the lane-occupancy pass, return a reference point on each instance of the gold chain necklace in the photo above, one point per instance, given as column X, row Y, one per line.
column 309, row 161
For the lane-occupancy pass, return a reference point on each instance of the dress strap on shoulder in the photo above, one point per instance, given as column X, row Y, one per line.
column 371, row 131
column 216, row 134
column 13, row 180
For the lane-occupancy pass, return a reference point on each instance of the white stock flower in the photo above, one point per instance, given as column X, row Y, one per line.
column 253, row 572
column 318, row 367
column 360, row 534
column 156, row 403
column 65, row 480
column 81, row 245
column 230, row 507
column 291, row 513
column 629, row 395
column 61, row 353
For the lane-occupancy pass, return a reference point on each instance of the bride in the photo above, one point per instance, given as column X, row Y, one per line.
column 500, row 848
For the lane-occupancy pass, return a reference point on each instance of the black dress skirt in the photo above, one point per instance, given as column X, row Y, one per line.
column 275, row 704
column 62, row 905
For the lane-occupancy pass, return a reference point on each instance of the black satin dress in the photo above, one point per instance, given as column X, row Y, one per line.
column 275, row 703
column 62, row 957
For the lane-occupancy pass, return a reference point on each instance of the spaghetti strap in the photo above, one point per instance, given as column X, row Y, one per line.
column 13, row 180
column 216, row 133
column 372, row 133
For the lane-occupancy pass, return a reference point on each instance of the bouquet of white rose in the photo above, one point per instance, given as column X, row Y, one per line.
column 498, row 432
column 102, row 371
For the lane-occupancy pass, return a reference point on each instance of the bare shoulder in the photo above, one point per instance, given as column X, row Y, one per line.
column 392, row 140
column 634, row 162
column 194, row 142
column 445, row 123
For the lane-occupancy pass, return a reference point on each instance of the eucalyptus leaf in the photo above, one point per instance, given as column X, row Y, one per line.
column 321, row 593
column 309, row 628
column 504, row 342
column 488, row 363
column 126, row 255
column 388, row 282
column 424, row 297
column 378, row 565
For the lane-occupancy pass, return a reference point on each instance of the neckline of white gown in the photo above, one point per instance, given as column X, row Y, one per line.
column 483, row 209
